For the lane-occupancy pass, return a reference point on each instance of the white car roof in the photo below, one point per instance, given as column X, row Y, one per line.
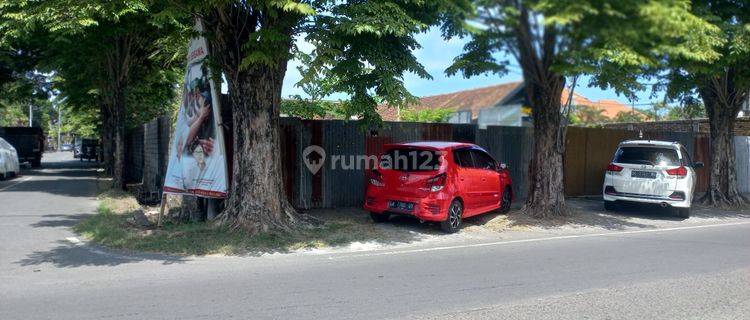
column 658, row 143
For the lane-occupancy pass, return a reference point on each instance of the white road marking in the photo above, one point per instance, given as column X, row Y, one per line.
column 500, row 243
column 24, row 179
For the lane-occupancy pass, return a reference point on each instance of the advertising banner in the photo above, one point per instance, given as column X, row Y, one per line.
column 197, row 159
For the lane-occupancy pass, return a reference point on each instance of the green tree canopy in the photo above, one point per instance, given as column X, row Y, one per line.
column 363, row 47
column 116, row 57
column 613, row 41
column 723, row 84
column 427, row 115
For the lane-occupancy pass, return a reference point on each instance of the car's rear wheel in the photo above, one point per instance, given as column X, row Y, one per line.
column 453, row 222
column 683, row 212
column 610, row 205
column 379, row 217
column 506, row 200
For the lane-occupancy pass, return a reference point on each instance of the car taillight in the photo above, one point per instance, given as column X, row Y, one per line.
column 437, row 182
column 680, row 172
column 613, row 168
column 376, row 179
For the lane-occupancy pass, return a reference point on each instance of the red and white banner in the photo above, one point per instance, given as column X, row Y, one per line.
column 197, row 159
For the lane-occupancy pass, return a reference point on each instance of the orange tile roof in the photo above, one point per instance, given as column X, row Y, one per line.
column 473, row 99
column 488, row 97
column 611, row 107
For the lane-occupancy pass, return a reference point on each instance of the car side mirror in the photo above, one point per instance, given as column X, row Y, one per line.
column 698, row 165
column 502, row 166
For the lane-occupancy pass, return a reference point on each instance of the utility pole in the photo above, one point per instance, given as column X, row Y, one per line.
column 31, row 115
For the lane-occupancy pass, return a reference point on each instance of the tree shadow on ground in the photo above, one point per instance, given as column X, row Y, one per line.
column 79, row 188
column 69, row 255
column 64, row 173
column 60, row 220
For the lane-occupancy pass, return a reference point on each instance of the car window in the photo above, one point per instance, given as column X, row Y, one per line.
column 463, row 158
column 482, row 160
column 647, row 155
column 410, row 160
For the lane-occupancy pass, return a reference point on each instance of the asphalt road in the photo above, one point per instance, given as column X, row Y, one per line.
column 694, row 272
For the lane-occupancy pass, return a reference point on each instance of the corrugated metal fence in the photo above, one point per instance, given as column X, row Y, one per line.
column 341, row 181
column 588, row 151
column 146, row 157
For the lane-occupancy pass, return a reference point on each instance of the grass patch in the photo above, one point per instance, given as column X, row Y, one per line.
column 111, row 227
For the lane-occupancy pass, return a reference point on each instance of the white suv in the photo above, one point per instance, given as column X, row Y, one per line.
column 648, row 171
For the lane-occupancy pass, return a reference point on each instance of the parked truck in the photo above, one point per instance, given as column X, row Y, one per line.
column 28, row 141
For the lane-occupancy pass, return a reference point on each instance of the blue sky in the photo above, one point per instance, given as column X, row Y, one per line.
column 436, row 55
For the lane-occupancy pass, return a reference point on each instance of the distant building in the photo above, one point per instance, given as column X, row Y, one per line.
column 503, row 104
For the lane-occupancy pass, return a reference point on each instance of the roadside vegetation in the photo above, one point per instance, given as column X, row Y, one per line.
column 119, row 223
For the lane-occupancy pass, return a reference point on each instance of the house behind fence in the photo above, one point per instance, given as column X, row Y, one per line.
column 588, row 152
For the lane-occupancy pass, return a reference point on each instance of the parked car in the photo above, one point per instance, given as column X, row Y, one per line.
column 443, row 182
column 88, row 150
column 654, row 172
column 9, row 166
column 28, row 142
column 66, row 147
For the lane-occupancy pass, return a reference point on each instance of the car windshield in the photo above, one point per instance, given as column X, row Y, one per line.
column 410, row 160
column 647, row 155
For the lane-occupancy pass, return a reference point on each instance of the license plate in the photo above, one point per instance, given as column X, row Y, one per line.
column 643, row 174
column 401, row 205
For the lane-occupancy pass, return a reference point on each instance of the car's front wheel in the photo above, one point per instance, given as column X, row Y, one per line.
column 453, row 222
column 379, row 217
column 506, row 200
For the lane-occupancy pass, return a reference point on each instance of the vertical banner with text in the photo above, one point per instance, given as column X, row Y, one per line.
column 197, row 159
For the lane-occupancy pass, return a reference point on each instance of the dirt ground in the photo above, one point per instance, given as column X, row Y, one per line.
column 587, row 216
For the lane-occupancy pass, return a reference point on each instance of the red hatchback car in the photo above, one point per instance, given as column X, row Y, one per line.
column 437, row 181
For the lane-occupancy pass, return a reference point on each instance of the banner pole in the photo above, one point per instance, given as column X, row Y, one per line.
column 161, row 211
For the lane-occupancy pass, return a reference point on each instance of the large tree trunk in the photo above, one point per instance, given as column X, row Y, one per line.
column 107, row 138
column 544, row 89
column 118, row 135
column 257, row 201
column 546, row 188
column 723, row 102
column 119, row 61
